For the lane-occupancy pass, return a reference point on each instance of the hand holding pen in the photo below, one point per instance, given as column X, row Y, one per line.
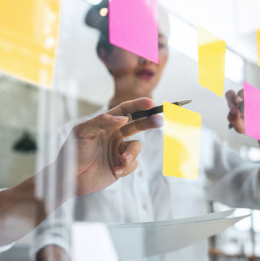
column 155, row 110
column 236, row 113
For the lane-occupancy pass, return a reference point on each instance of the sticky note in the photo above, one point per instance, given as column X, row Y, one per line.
column 133, row 26
column 211, row 61
column 29, row 36
column 258, row 45
column 181, row 142
column 252, row 111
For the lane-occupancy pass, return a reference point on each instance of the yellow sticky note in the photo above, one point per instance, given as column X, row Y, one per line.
column 211, row 61
column 258, row 45
column 29, row 36
column 181, row 142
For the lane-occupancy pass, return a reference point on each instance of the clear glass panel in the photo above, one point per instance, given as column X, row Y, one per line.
column 63, row 193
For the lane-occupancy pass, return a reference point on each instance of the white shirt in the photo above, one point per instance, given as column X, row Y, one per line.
column 147, row 195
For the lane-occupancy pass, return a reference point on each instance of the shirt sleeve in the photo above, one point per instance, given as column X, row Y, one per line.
column 6, row 247
column 55, row 230
column 230, row 179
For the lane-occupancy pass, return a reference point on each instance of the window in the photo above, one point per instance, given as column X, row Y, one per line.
column 183, row 38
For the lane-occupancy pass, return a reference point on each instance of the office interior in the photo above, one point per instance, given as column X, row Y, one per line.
column 30, row 114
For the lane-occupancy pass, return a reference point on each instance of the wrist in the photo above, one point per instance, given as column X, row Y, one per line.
column 61, row 182
column 49, row 188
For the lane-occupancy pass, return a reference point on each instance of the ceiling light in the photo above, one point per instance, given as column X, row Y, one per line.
column 103, row 11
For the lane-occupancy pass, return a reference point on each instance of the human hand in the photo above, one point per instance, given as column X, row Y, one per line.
column 99, row 162
column 236, row 115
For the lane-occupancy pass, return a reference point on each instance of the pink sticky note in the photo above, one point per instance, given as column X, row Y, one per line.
column 133, row 26
column 252, row 111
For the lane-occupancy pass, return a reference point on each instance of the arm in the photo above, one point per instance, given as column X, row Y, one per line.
column 89, row 161
column 235, row 116
column 230, row 179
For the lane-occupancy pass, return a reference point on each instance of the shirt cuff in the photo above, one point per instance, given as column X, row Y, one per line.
column 6, row 247
column 41, row 242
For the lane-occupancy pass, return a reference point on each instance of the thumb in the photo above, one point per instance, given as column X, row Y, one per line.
column 91, row 128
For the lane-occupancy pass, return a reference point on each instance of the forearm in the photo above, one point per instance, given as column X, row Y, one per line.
column 237, row 188
column 21, row 210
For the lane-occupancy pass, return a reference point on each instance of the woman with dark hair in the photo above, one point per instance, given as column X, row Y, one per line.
column 147, row 195
column 133, row 75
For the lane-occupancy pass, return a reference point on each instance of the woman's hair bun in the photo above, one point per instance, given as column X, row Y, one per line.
column 94, row 19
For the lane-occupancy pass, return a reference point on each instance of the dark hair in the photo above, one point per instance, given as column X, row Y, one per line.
column 103, row 41
column 95, row 20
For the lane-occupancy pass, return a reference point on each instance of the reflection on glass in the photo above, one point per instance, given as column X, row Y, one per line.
column 211, row 61
column 28, row 36
column 181, row 142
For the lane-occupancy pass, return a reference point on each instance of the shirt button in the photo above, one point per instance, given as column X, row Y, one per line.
column 144, row 206
column 140, row 174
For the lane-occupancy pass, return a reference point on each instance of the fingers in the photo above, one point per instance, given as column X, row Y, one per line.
column 122, row 171
column 114, row 119
column 235, row 119
column 130, row 150
column 241, row 94
column 132, row 128
column 132, row 106
column 91, row 128
column 236, row 113
column 233, row 98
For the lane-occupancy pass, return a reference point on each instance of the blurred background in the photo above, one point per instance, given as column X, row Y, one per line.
column 29, row 115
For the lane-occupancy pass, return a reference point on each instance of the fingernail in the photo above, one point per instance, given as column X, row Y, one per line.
column 159, row 121
column 120, row 118
column 233, row 110
column 239, row 99
column 119, row 172
column 155, row 121
column 129, row 157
